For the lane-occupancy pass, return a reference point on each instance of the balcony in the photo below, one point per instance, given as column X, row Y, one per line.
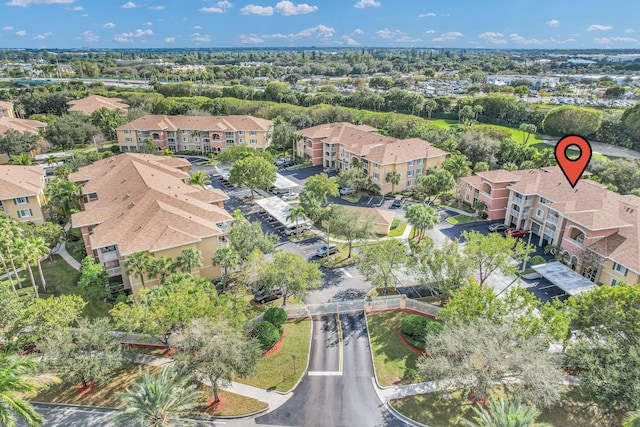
column 223, row 242
column 575, row 242
column 115, row 271
column 552, row 219
column 517, row 201
column 109, row 256
column 514, row 213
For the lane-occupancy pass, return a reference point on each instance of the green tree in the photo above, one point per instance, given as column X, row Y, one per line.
column 231, row 155
column 199, row 178
column 379, row 262
column 349, row 224
column 212, row 350
column 355, row 178
column 24, row 251
column 315, row 191
column 527, row 130
column 158, row 401
column 91, row 353
column 15, row 380
column 137, row 264
column 253, row 172
column 494, row 252
column 94, row 280
column 290, row 272
column 70, row 131
column 14, row 143
column 393, row 178
column 284, row 136
column 160, row 267
column 227, row 258
column 63, row 196
column 567, row 120
column 295, row 213
column 247, row 237
column 434, row 183
column 633, row 419
column 429, row 106
column 504, row 412
column 10, row 234
column 189, row 259
column 108, row 120
column 422, row 217
column 21, row 159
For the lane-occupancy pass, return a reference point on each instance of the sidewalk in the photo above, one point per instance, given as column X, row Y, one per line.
column 62, row 251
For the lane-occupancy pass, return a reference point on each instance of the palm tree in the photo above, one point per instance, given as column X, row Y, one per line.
column 481, row 207
column 39, row 250
column 21, row 159
column 503, row 413
column 199, row 178
column 24, row 252
column 393, row 178
column 137, row 264
column 189, row 259
column 160, row 267
column 294, row 215
column 477, row 110
column 226, row 258
column 157, row 401
column 14, row 381
column 9, row 234
column 429, row 106
column 632, row 419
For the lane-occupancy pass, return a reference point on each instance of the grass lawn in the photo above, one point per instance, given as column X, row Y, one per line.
column 76, row 250
column 105, row 395
column 516, row 134
column 303, row 236
column 354, row 198
column 443, row 123
column 461, row 219
column 447, row 408
column 397, row 232
column 275, row 372
column 395, row 364
column 381, row 292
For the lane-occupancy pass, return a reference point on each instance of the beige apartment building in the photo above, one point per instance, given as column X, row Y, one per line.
column 203, row 134
column 92, row 103
column 22, row 193
column 341, row 145
column 596, row 229
column 34, row 127
column 138, row 202
column 6, row 110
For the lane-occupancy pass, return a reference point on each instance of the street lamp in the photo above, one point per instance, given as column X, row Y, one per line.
column 524, row 260
column 293, row 358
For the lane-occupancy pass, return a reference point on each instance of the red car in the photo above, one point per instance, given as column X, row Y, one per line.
column 515, row 232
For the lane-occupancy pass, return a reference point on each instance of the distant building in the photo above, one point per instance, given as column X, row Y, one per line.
column 203, row 134
column 6, row 110
column 139, row 202
column 92, row 103
column 341, row 145
column 501, row 80
column 22, row 193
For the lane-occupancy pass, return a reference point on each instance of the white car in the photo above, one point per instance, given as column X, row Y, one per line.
column 290, row 196
column 345, row 191
column 293, row 231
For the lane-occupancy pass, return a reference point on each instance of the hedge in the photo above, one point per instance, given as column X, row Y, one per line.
column 266, row 334
column 276, row 316
column 414, row 326
column 568, row 120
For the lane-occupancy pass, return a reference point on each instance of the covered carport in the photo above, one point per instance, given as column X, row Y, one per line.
column 280, row 210
column 564, row 278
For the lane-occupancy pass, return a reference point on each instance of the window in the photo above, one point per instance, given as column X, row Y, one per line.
column 240, row 132
column 216, row 137
column 24, row 213
column 241, row 140
column 128, row 139
column 376, row 176
column 615, row 282
column 543, row 200
column 185, row 147
column 376, row 166
column 156, row 135
column 420, row 161
column 184, row 132
column 418, row 171
column 229, row 135
column 198, row 148
column 185, row 139
column 410, row 173
column 539, row 213
column 466, row 197
column 196, row 139
column 620, row 268
column 409, row 183
column 254, row 141
column 253, row 133
column 21, row 200
column 127, row 132
column 411, row 163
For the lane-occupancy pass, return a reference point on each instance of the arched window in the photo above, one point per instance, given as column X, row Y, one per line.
column 577, row 235
column 155, row 135
column 216, row 137
column 486, row 188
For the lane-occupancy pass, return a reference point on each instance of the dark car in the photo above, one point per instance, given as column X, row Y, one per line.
column 326, row 250
column 515, row 232
column 266, row 295
column 498, row 227
column 276, row 191
column 397, row 202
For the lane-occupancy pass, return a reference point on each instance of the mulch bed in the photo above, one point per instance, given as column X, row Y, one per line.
column 83, row 391
column 276, row 347
column 409, row 346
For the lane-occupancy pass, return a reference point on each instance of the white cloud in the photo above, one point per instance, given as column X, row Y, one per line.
column 88, row 36
column 450, row 36
column 611, row 40
column 517, row 38
column 629, row 30
column 552, row 23
column 408, row 39
column 128, row 37
column 21, row 33
column 598, row 27
column 148, row 23
column 287, row 8
column 158, row 8
column 357, row 32
column 197, row 27
column 349, row 41
column 602, row 40
column 169, row 39
column 25, row 3
column 43, row 36
column 109, row 25
column 8, row 28
column 200, row 38
column 389, row 34
column 251, row 39
column 426, row 15
column 367, row 3
column 75, row 8
column 430, row 32
column 254, row 9
column 320, row 31
column 129, row 5
column 211, row 10
column 493, row 38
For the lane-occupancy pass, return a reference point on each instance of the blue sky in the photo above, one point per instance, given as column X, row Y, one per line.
column 270, row 23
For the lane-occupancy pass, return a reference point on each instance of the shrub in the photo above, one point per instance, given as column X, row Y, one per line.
column 537, row 260
column 414, row 325
column 568, row 120
column 276, row 316
column 266, row 334
column 433, row 328
column 395, row 223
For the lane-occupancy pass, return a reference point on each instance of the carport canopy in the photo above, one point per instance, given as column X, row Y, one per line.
column 280, row 210
column 564, row 277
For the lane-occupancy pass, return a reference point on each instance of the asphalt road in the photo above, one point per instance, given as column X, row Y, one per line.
column 333, row 400
column 56, row 416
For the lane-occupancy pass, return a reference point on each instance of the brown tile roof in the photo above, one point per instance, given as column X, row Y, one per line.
column 474, row 180
column 20, row 125
column 144, row 204
column 5, row 105
column 378, row 216
column 203, row 123
column 363, row 141
column 94, row 102
column 500, row 175
column 20, row 181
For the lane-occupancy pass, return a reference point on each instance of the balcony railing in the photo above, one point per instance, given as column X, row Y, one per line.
column 552, row 219
column 109, row 256
column 517, row 201
column 515, row 213
column 115, row 271
column 576, row 242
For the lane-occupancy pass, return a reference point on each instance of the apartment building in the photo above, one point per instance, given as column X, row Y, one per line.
column 8, row 123
column 22, row 193
column 343, row 145
column 138, row 202
column 596, row 229
column 203, row 134
column 6, row 110
column 92, row 103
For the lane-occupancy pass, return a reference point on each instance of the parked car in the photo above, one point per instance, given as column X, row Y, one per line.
column 397, row 202
column 277, row 191
column 498, row 227
column 266, row 295
column 326, row 250
column 290, row 196
column 293, row 231
column 345, row 191
column 515, row 232
column 329, row 170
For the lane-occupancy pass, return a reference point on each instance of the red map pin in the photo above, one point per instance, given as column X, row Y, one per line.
column 573, row 169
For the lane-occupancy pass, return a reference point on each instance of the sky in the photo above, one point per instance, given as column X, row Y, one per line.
column 514, row 24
